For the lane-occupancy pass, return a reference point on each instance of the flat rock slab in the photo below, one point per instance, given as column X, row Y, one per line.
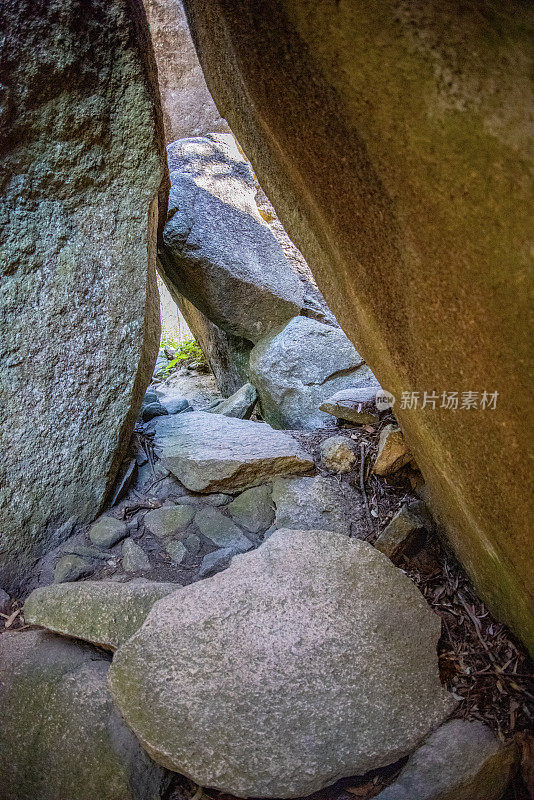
column 106, row 613
column 318, row 503
column 61, row 737
column 309, row 659
column 213, row 453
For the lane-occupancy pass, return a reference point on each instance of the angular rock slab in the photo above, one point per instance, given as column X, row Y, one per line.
column 296, row 367
column 106, row 613
column 82, row 166
column 217, row 250
column 213, row 453
column 460, row 761
column 309, row 659
column 318, row 503
column 61, row 737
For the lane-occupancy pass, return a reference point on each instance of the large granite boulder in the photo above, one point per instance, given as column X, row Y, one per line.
column 309, row 659
column 382, row 134
column 82, row 163
column 61, row 737
column 217, row 250
column 188, row 108
column 298, row 366
column 106, row 613
column 213, row 453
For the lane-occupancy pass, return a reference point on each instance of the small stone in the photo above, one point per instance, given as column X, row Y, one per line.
column 134, row 558
column 397, row 535
column 85, row 552
column 219, row 529
column 356, row 405
column 393, row 452
column 239, row 405
column 176, row 406
column 253, row 509
column 70, row 568
column 107, row 531
column 193, row 543
column 150, row 397
column 152, row 410
column 216, row 499
column 177, row 551
column 459, row 761
column 106, row 613
column 5, row 602
column 338, row 454
column 169, row 520
column 216, row 561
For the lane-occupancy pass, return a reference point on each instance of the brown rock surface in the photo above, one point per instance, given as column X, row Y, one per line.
column 383, row 135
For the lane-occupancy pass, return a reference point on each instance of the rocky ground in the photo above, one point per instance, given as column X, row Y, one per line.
column 159, row 530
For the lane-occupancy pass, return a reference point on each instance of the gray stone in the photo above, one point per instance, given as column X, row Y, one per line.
column 107, row 531
column 338, row 453
column 253, row 509
column 5, row 602
column 298, row 366
column 82, row 166
column 393, row 452
column 152, row 410
column 192, row 542
column 61, row 737
column 71, row 567
column 220, row 529
column 161, row 364
column 317, row 503
column 354, row 404
column 177, row 551
column 86, row 552
column 216, row 561
column 210, row 453
column 217, row 251
column 309, row 659
column 240, row 404
column 169, row 520
column 216, row 499
column 459, row 761
column 397, row 535
column 134, row 558
column 106, row 613
column 176, row 406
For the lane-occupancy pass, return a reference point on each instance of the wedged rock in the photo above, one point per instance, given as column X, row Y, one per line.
column 265, row 681
column 70, row 567
column 355, row 404
column 221, row 530
column 83, row 160
column 397, row 535
column 338, row 453
column 106, row 613
column 459, row 761
column 5, row 602
column 212, row 453
column 253, row 509
column 216, row 561
column 217, row 250
column 298, row 366
column 317, row 503
column 176, row 550
column 134, row 558
column 393, row 451
column 107, row 531
column 169, row 520
column 239, row 405
column 152, row 410
column 61, row 736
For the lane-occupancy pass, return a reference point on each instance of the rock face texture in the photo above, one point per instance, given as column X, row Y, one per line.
column 212, row 453
column 218, row 252
column 61, row 736
column 404, row 152
column 106, row 613
column 297, row 366
column 188, row 108
column 82, row 163
column 264, row 682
